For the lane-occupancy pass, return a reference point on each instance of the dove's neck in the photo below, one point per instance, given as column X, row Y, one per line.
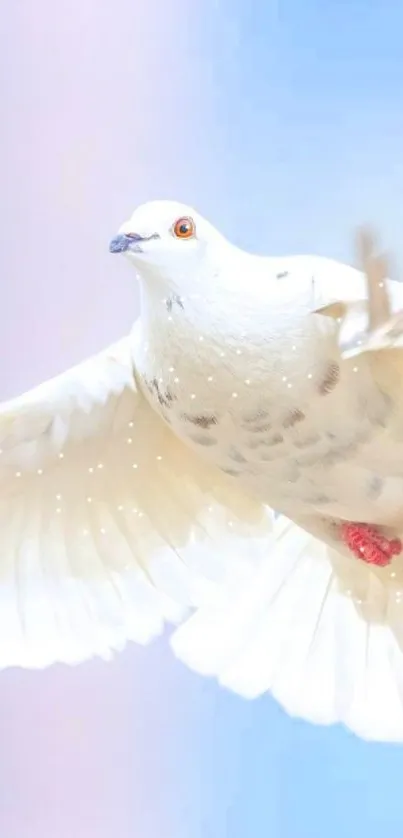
column 232, row 307
column 182, row 294
column 185, row 315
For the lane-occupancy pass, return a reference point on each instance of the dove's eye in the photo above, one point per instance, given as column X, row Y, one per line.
column 184, row 228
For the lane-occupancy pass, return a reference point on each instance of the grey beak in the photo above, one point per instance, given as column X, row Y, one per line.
column 125, row 241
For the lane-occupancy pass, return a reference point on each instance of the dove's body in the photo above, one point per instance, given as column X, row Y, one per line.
column 258, row 388
column 138, row 485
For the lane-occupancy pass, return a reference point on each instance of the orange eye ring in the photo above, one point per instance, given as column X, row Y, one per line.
column 184, row 228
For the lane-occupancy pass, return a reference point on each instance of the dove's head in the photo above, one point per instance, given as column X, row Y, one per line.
column 169, row 242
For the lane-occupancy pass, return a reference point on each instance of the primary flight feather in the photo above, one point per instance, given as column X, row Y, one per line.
column 138, row 487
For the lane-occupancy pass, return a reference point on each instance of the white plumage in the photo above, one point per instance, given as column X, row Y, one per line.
column 140, row 484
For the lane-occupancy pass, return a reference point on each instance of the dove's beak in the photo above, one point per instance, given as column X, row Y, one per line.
column 130, row 242
column 126, row 241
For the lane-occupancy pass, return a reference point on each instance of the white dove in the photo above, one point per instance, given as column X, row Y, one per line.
column 140, row 484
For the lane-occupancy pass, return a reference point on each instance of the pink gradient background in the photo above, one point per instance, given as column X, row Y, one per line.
column 282, row 123
column 95, row 112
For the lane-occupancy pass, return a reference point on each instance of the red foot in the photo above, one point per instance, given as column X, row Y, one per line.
column 369, row 545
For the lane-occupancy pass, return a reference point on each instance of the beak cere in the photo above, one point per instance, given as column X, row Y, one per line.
column 129, row 241
column 125, row 241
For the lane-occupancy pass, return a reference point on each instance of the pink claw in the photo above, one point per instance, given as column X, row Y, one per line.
column 369, row 545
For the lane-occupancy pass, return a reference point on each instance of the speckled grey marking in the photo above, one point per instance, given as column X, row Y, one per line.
column 319, row 499
column 207, row 441
column 231, row 472
column 330, row 380
column 259, row 429
column 205, row 422
column 175, row 299
column 257, row 443
column 293, row 418
column 269, row 455
column 375, row 487
column 282, row 274
column 165, row 398
column 277, row 439
column 307, row 442
column 255, row 416
column 338, row 454
column 236, row 456
column 310, row 458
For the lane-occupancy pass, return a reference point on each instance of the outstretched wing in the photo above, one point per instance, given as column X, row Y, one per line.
column 108, row 525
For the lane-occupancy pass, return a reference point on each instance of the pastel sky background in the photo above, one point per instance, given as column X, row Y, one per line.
column 282, row 121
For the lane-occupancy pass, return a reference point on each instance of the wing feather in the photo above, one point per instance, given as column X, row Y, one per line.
column 110, row 526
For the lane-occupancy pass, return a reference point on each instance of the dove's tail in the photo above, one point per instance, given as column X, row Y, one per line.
column 294, row 632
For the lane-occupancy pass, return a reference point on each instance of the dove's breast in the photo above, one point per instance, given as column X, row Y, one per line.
column 284, row 415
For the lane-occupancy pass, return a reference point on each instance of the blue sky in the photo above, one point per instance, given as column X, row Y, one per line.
column 304, row 102
column 283, row 123
column 305, row 124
